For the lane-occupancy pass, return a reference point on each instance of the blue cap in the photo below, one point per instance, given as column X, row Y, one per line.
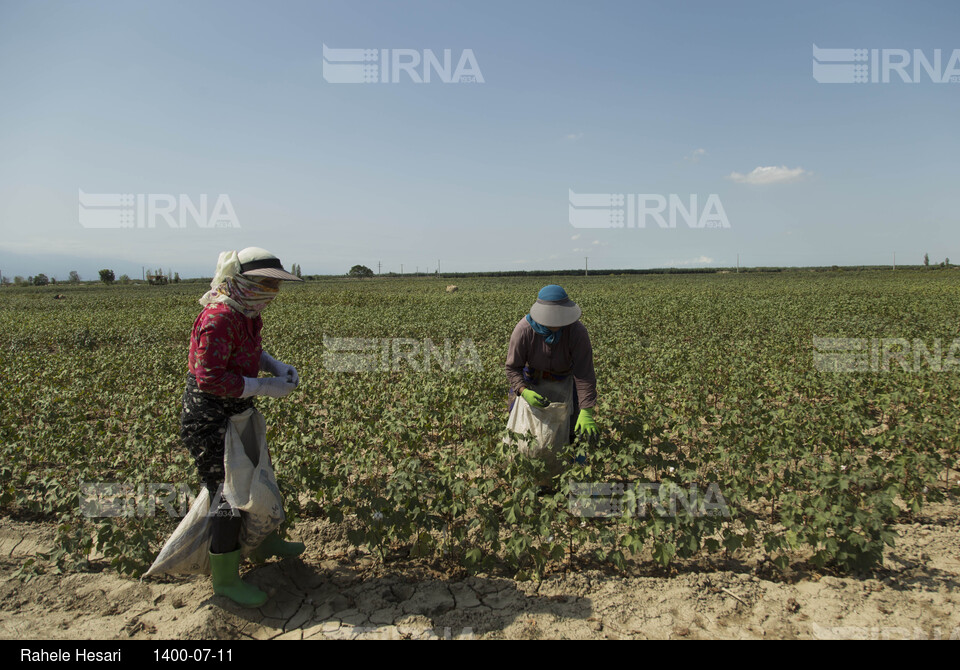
column 552, row 293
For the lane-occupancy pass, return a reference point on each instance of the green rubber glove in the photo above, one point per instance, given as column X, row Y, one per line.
column 534, row 398
column 586, row 424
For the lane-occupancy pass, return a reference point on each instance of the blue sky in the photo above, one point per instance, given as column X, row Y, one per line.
column 606, row 97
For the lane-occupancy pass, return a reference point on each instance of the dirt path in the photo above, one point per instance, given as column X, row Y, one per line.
column 917, row 594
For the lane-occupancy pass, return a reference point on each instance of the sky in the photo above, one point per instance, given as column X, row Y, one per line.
column 233, row 104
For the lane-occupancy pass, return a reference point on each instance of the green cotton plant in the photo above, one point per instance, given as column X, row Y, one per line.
column 702, row 380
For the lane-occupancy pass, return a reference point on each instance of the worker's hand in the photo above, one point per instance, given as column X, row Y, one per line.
column 534, row 398
column 586, row 425
column 288, row 373
column 278, row 369
column 273, row 387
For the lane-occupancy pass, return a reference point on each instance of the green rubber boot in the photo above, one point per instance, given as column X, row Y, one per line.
column 272, row 545
column 225, row 569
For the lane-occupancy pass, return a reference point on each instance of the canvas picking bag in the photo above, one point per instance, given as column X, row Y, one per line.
column 250, row 486
column 549, row 426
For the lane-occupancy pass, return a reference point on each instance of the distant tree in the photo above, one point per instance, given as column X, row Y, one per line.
column 18, row 280
column 361, row 271
column 40, row 280
column 106, row 276
column 124, row 279
column 296, row 270
column 947, row 262
column 176, row 277
column 74, row 277
column 5, row 281
column 926, row 259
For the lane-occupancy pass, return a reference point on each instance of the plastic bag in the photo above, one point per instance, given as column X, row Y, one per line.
column 550, row 426
column 250, row 486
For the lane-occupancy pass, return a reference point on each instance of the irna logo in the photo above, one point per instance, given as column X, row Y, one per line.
column 145, row 210
column 391, row 66
column 637, row 210
column 882, row 66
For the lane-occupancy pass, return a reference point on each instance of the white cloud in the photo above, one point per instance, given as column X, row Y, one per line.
column 696, row 155
column 572, row 137
column 769, row 175
column 702, row 260
column 576, row 237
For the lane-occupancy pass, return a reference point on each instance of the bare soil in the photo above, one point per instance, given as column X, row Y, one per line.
column 334, row 591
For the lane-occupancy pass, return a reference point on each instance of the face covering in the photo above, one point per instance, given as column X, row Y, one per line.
column 247, row 295
column 552, row 336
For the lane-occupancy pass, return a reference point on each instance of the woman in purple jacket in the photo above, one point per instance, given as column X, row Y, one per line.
column 551, row 344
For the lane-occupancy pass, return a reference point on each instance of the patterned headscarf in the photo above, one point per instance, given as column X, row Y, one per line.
column 246, row 295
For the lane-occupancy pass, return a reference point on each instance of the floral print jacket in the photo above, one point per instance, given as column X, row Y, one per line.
column 224, row 348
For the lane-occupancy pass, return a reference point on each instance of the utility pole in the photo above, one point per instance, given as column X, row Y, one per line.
column 585, row 259
column 438, row 267
column 401, row 269
column 378, row 268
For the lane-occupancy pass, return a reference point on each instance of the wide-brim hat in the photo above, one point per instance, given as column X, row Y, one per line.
column 554, row 308
column 257, row 262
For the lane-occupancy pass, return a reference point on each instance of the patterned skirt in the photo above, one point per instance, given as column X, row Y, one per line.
column 203, row 427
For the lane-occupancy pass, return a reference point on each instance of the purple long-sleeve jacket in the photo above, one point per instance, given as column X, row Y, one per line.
column 572, row 355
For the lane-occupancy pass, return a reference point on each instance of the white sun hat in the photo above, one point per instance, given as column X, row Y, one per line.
column 554, row 308
column 258, row 262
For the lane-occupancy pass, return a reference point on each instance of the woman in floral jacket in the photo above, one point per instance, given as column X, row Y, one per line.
column 225, row 360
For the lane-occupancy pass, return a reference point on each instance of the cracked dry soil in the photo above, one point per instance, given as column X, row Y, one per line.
column 333, row 592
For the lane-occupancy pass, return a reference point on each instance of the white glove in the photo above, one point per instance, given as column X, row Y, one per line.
column 274, row 387
column 270, row 364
